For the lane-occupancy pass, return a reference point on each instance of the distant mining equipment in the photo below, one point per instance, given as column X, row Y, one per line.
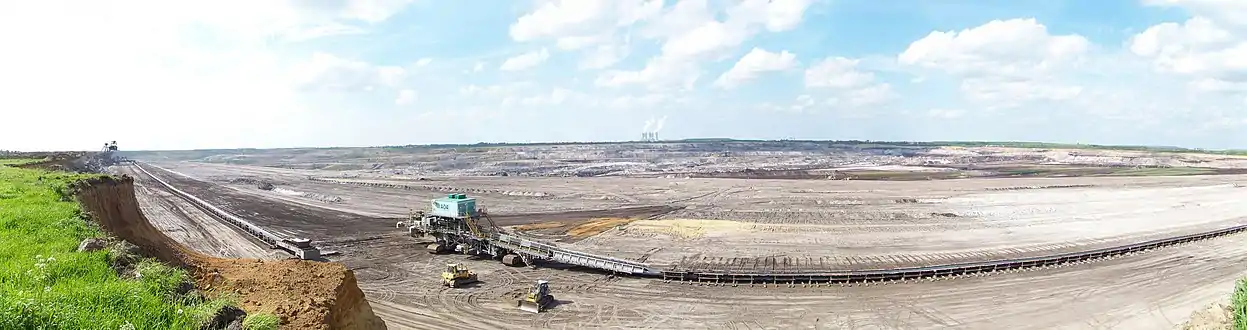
column 109, row 155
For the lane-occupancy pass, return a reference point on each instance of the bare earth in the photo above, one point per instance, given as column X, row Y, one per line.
column 822, row 224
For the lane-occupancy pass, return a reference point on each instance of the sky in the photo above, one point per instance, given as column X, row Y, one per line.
column 163, row 74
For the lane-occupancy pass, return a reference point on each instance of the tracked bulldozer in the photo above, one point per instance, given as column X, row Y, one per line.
column 457, row 276
column 538, row 298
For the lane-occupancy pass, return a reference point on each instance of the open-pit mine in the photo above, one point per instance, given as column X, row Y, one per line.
column 727, row 235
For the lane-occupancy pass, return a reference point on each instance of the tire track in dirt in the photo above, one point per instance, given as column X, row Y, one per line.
column 301, row 220
column 191, row 226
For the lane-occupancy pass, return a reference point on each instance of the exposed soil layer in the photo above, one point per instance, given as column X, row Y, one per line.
column 304, row 294
column 578, row 216
column 960, row 172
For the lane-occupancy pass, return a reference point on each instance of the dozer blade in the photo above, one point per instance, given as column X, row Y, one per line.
column 463, row 281
column 528, row 306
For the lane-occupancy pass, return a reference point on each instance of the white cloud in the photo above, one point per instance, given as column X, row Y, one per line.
column 1016, row 47
column 406, row 97
column 837, row 72
column 604, row 56
column 691, row 33
column 591, row 25
column 848, row 86
column 776, row 15
column 326, row 72
column 946, row 113
column 324, row 30
column 639, row 101
column 754, row 63
column 423, row 61
column 556, row 97
column 660, row 73
column 525, row 61
column 867, row 96
column 1200, row 49
column 1012, row 60
column 578, row 18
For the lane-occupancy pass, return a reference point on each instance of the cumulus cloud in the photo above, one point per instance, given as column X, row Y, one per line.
column 406, row 97
column 590, row 25
column 1007, row 61
column 326, row 72
column 837, row 72
column 754, row 63
column 847, row 85
column 1200, row 48
column 300, row 64
column 691, row 32
column 525, row 61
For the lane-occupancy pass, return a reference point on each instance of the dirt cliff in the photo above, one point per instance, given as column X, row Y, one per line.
column 304, row 294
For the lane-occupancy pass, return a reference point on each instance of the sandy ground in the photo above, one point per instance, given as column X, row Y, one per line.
column 822, row 224
column 1152, row 290
column 190, row 226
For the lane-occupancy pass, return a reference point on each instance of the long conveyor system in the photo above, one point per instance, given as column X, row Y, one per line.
column 466, row 233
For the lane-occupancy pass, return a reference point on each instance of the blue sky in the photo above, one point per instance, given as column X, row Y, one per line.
column 164, row 75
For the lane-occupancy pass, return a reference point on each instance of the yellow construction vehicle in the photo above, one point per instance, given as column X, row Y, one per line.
column 538, row 298
column 456, row 276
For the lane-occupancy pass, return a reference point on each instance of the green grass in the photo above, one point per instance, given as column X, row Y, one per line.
column 1238, row 305
column 18, row 161
column 46, row 284
column 261, row 321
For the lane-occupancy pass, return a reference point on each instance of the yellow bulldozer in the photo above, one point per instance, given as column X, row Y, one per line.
column 456, row 276
column 538, row 298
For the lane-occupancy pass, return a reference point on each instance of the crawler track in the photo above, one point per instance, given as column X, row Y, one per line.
column 959, row 269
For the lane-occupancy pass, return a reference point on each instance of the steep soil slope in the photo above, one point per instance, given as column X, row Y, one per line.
column 305, row 294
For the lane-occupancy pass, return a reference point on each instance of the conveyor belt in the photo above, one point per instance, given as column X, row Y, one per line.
column 535, row 249
column 256, row 231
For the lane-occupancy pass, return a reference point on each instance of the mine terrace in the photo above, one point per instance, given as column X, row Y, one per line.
column 778, row 220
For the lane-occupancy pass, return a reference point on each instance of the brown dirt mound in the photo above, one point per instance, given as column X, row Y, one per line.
column 597, row 226
column 304, row 294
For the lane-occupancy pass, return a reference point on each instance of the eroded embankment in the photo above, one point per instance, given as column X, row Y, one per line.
column 304, row 294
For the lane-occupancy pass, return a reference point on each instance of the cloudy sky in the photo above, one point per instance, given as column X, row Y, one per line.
column 167, row 74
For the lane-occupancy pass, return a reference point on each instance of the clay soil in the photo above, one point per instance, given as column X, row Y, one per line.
column 305, row 295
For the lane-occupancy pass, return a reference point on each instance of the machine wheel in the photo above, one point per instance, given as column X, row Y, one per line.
column 512, row 260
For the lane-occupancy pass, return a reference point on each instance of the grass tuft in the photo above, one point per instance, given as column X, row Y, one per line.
column 261, row 321
column 46, row 284
column 1238, row 305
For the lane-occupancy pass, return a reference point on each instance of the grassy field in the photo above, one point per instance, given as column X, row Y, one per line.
column 17, row 161
column 1238, row 304
column 46, row 284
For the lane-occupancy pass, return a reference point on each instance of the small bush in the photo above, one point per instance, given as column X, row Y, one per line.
column 261, row 321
